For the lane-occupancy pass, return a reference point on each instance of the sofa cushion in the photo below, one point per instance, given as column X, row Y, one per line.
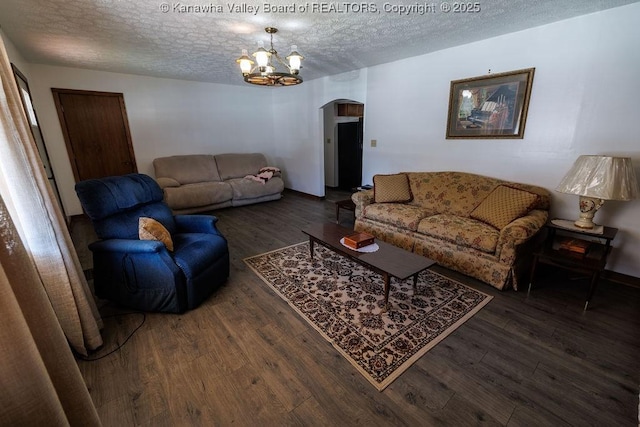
column 391, row 188
column 461, row 231
column 503, row 205
column 187, row 169
column 398, row 214
column 198, row 194
column 150, row 229
column 167, row 182
column 244, row 188
column 456, row 193
column 239, row 165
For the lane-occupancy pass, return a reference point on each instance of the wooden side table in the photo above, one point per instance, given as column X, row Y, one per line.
column 346, row 204
column 592, row 262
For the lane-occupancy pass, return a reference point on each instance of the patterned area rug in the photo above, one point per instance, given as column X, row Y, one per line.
column 344, row 302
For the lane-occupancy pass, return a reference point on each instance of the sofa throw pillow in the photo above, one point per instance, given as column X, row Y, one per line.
column 150, row 229
column 503, row 205
column 392, row 188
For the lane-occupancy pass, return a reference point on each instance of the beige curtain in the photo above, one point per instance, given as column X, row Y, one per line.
column 45, row 302
column 40, row 381
column 40, row 223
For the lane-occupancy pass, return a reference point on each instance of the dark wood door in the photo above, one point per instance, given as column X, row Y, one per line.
column 349, row 155
column 96, row 131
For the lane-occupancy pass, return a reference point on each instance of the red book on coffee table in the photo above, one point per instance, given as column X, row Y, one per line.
column 358, row 240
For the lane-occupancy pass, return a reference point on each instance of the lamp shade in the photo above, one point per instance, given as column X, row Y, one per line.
column 295, row 59
column 245, row 62
column 601, row 177
column 262, row 55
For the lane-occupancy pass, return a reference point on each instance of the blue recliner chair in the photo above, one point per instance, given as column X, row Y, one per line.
column 144, row 274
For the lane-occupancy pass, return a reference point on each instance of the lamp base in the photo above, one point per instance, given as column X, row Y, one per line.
column 584, row 223
column 588, row 208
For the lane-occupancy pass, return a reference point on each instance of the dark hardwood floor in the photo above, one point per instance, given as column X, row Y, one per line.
column 245, row 358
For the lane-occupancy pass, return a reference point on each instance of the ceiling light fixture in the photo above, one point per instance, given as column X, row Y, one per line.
column 265, row 73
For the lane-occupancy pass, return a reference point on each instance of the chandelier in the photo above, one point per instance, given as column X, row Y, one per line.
column 265, row 73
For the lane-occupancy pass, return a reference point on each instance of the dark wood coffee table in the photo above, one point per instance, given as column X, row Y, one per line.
column 389, row 261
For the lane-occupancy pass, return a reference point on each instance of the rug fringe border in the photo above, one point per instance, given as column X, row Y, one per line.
column 275, row 250
column 413, row 359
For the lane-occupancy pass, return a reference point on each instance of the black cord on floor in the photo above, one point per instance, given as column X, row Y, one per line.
column 144, row 318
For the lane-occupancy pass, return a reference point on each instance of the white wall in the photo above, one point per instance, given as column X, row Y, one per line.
column 299, row 120
column 14, row 55
column 166, row 117
column 584, row 100
column 330, row 143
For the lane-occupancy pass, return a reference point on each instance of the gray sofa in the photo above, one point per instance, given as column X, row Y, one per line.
column 201, row 182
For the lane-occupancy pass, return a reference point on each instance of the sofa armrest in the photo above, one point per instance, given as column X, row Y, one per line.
column 167, row 182
column 518, row 232
column 362, row 199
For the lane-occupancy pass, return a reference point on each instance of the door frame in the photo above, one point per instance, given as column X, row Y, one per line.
column 330, row 136
column 65, row 133
column 21, row 80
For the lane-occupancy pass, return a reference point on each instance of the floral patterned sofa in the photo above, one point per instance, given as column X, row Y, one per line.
column 463, row 221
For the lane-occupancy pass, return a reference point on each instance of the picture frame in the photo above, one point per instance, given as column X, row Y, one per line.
column 491, row 106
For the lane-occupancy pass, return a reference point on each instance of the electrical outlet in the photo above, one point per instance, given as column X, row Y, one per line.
column 374, row 142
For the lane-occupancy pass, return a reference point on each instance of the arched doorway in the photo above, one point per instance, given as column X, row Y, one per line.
column 343, row 138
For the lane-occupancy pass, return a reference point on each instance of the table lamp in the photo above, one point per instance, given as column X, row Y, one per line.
column 596, row 179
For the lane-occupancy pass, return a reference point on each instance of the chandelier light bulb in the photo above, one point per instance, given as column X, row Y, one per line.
column 270, row 68
column 295, row 59
column 245, row 62
column 261, row 55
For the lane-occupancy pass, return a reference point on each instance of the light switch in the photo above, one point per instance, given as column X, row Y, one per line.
column 328, row 140
column 374, row 142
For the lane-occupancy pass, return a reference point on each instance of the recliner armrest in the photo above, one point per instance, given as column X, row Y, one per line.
column 197, row 224
column 127, row 246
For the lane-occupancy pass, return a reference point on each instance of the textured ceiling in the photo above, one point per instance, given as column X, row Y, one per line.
column 176, row 40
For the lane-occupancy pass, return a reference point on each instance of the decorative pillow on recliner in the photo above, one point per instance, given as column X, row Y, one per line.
column 150, row 229
column 503, row 205
column 391, row 188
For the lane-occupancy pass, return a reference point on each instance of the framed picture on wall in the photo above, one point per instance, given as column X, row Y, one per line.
column 491, row 106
